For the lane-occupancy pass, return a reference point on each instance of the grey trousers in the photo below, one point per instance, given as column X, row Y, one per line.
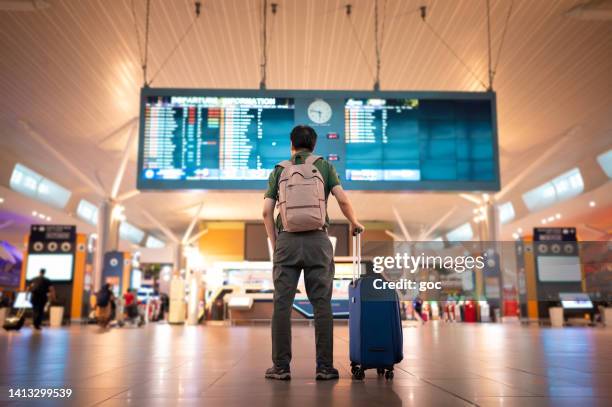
column 313, row 253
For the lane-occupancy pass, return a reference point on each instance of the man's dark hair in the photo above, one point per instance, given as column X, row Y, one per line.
column 43, row 271
column 303, row 138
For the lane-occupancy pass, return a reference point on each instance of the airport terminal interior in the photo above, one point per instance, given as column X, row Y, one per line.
column 472, row 139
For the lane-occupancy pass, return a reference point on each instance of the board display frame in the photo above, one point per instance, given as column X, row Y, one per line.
column 376, row 186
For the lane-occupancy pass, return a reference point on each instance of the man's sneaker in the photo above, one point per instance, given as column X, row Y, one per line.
column 327, row 373
column 278, row 373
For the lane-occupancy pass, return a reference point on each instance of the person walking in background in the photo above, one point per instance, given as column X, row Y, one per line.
column 41, row 290
column 417, row 305
column 104, row 300
column 130, row 307
column 299, row 239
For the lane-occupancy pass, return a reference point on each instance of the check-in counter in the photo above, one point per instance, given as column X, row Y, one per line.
column 254, row 308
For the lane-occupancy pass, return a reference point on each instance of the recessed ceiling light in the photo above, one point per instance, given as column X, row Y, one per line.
column 592, row 204
column 48, row 218
column 40, row 215
column 519, row 230
column 515, row 236
column 34, row 213
column 550, row 218
column 1, row 200
column 543, row 221
column 558, row 216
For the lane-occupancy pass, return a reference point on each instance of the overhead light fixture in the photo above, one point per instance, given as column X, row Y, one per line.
column 558, row 216
column 519, row 230
column 515, row 236
column 551, row 219
column 592, row 204
column 34, row 213
column 543, row 221
column 48, row 218
column 1, row 200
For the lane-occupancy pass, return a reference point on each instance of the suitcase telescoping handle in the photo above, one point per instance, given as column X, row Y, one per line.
column 356, row 253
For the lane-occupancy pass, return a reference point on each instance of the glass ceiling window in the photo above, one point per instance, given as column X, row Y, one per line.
column 154, row 243
column 87, row 212
column 130, row 233
column 34, row 185
column 506, row 212
column 605, row 162
column 460, row 234
column 561, row 188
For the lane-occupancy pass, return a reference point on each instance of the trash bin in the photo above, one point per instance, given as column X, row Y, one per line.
column 56, row 314
column 556, row 317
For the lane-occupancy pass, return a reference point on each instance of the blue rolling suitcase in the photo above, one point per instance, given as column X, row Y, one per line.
column 375, row 326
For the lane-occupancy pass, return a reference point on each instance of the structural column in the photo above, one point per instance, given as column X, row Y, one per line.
column 108, row 238
column 493, row 246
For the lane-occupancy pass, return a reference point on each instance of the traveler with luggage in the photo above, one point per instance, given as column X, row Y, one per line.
column 300, row 187
column 41, row 290
column 130, row 308
column 104, row 300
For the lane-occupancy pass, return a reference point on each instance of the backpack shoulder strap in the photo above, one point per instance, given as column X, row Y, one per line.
column 311, row 159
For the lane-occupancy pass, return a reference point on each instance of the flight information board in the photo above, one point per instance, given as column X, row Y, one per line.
column 232, row 139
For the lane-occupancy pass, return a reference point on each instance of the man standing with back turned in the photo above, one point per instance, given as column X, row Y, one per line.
column 299, row 239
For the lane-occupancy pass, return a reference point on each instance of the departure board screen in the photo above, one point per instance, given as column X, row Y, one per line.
column 232, row 139
column 418, row 140
column 214, row 138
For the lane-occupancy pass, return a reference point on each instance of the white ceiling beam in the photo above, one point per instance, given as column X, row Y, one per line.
column 60, row 157
column 198, row 235
column 395, row 237
column 526, row 171
column 195, row 218
column 401, row 224
column 471, row 198
column 433, row 227
column 127, row 195
column 161, row 227
column 118, row 130
column 124, row 160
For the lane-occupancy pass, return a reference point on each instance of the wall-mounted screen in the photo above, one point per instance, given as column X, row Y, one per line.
column 232, row 139
column 559, row 268
column 58, row 266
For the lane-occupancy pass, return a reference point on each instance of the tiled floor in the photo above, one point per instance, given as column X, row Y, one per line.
column 444, row 365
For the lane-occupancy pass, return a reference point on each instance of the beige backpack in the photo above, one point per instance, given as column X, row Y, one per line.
column 301, row 196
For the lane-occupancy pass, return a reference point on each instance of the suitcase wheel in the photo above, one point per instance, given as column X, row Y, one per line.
column 358, row 373
column 380, row 371
column 389, row 375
